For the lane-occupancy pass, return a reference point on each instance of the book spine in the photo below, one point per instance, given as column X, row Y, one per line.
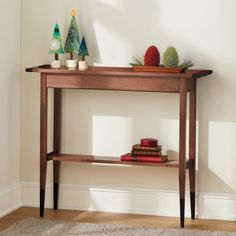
column 145, row 153
column 138, row 147
column 144, row 159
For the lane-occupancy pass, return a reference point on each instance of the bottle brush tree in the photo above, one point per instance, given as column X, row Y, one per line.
column 83, row 50
column 72, row 43
column 56, row 43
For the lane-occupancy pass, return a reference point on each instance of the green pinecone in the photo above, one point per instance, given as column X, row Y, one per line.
column 171, row 57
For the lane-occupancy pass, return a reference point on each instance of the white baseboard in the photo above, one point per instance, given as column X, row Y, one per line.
column 10, row 200
column 131, row 200
column 216, row 206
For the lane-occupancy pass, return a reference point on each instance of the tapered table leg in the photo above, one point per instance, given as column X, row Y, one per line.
column 56, row 144
column 192, row 148
column 182, row 148
column 43, row 141
column 56, row 171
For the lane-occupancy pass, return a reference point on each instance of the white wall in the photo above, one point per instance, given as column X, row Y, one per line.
column 116, row 30
column 10, row 197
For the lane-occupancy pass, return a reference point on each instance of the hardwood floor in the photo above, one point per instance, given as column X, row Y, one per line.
column 112, row 218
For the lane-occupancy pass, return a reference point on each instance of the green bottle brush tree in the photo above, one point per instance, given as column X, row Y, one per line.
column 56, row 47
column 72, row 43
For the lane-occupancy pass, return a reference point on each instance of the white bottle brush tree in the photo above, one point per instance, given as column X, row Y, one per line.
column 56, row 43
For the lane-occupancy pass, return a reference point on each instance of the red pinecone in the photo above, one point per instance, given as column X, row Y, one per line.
column 152, row 57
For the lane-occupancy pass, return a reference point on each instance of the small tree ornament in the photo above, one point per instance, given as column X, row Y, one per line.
column 72, row 43
column 56, row 47
column 83, row 51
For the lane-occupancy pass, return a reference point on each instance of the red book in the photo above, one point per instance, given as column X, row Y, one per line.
column 129, row 157
column 138, row 147
column 146, row 153
column 148, row 142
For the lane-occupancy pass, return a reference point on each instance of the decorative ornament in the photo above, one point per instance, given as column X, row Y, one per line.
column 56, row 47
column 72, row 44
column 152, row 56
column 151, row 62
column 83, row 51
column 171, row 57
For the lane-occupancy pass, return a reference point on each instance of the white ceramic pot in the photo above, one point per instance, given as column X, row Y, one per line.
column 83, row 65
column 71, row 63
column 56, row 64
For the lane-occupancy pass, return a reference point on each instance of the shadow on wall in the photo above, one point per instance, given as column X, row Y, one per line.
column 122, row 25
column 120, row 31
column 119, row 28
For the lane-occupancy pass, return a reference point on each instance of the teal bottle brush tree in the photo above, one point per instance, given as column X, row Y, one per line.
column 83, row 52
column 56, row 47
column 72, row 44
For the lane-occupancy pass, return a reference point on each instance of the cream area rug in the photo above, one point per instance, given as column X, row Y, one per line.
column 33, row 227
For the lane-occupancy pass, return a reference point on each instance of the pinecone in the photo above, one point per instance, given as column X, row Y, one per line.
column 152, row 57
column 171, row 57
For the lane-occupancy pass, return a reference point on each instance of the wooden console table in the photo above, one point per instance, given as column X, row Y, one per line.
column 121, row 79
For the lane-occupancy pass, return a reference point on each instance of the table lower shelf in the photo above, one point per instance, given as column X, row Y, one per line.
column 107, row 160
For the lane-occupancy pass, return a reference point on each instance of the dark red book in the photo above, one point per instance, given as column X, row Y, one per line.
column 145, row 153
column 129, row 157
column 138, row 147
column 148, row 142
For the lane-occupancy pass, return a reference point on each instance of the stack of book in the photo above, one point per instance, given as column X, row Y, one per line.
column 147, row 150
